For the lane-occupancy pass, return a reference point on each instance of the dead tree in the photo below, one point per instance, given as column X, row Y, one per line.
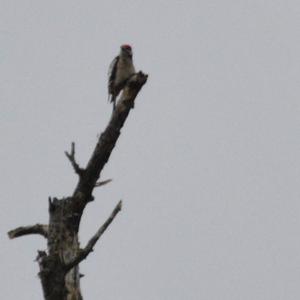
column 59, row 270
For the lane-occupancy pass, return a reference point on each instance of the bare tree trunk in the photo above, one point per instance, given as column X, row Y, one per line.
column 59, row 270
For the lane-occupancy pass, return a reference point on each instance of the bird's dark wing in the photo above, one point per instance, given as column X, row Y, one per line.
column 112, row 74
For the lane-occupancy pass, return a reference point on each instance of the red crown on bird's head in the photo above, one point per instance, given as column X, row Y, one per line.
column 126, row 47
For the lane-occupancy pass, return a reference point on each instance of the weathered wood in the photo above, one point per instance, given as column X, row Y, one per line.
column 63, row 245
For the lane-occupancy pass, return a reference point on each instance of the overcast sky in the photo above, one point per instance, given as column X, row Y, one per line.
column 207, row 164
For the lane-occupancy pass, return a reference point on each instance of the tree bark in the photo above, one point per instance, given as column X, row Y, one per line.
column 59, row 270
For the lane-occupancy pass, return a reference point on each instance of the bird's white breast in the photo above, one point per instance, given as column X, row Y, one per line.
column 125, row 70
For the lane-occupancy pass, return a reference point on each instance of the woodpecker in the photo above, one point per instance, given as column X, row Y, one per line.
column 120, row 70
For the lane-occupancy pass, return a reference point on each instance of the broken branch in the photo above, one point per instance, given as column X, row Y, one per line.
column 89, row 247
column 26, row 230
column 100, row 183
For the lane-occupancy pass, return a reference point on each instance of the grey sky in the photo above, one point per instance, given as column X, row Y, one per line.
column 207, row 164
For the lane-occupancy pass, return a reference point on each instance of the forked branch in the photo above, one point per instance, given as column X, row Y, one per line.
column 71, row 157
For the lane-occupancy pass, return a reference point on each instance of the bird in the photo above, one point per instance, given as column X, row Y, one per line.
column 120, row 70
